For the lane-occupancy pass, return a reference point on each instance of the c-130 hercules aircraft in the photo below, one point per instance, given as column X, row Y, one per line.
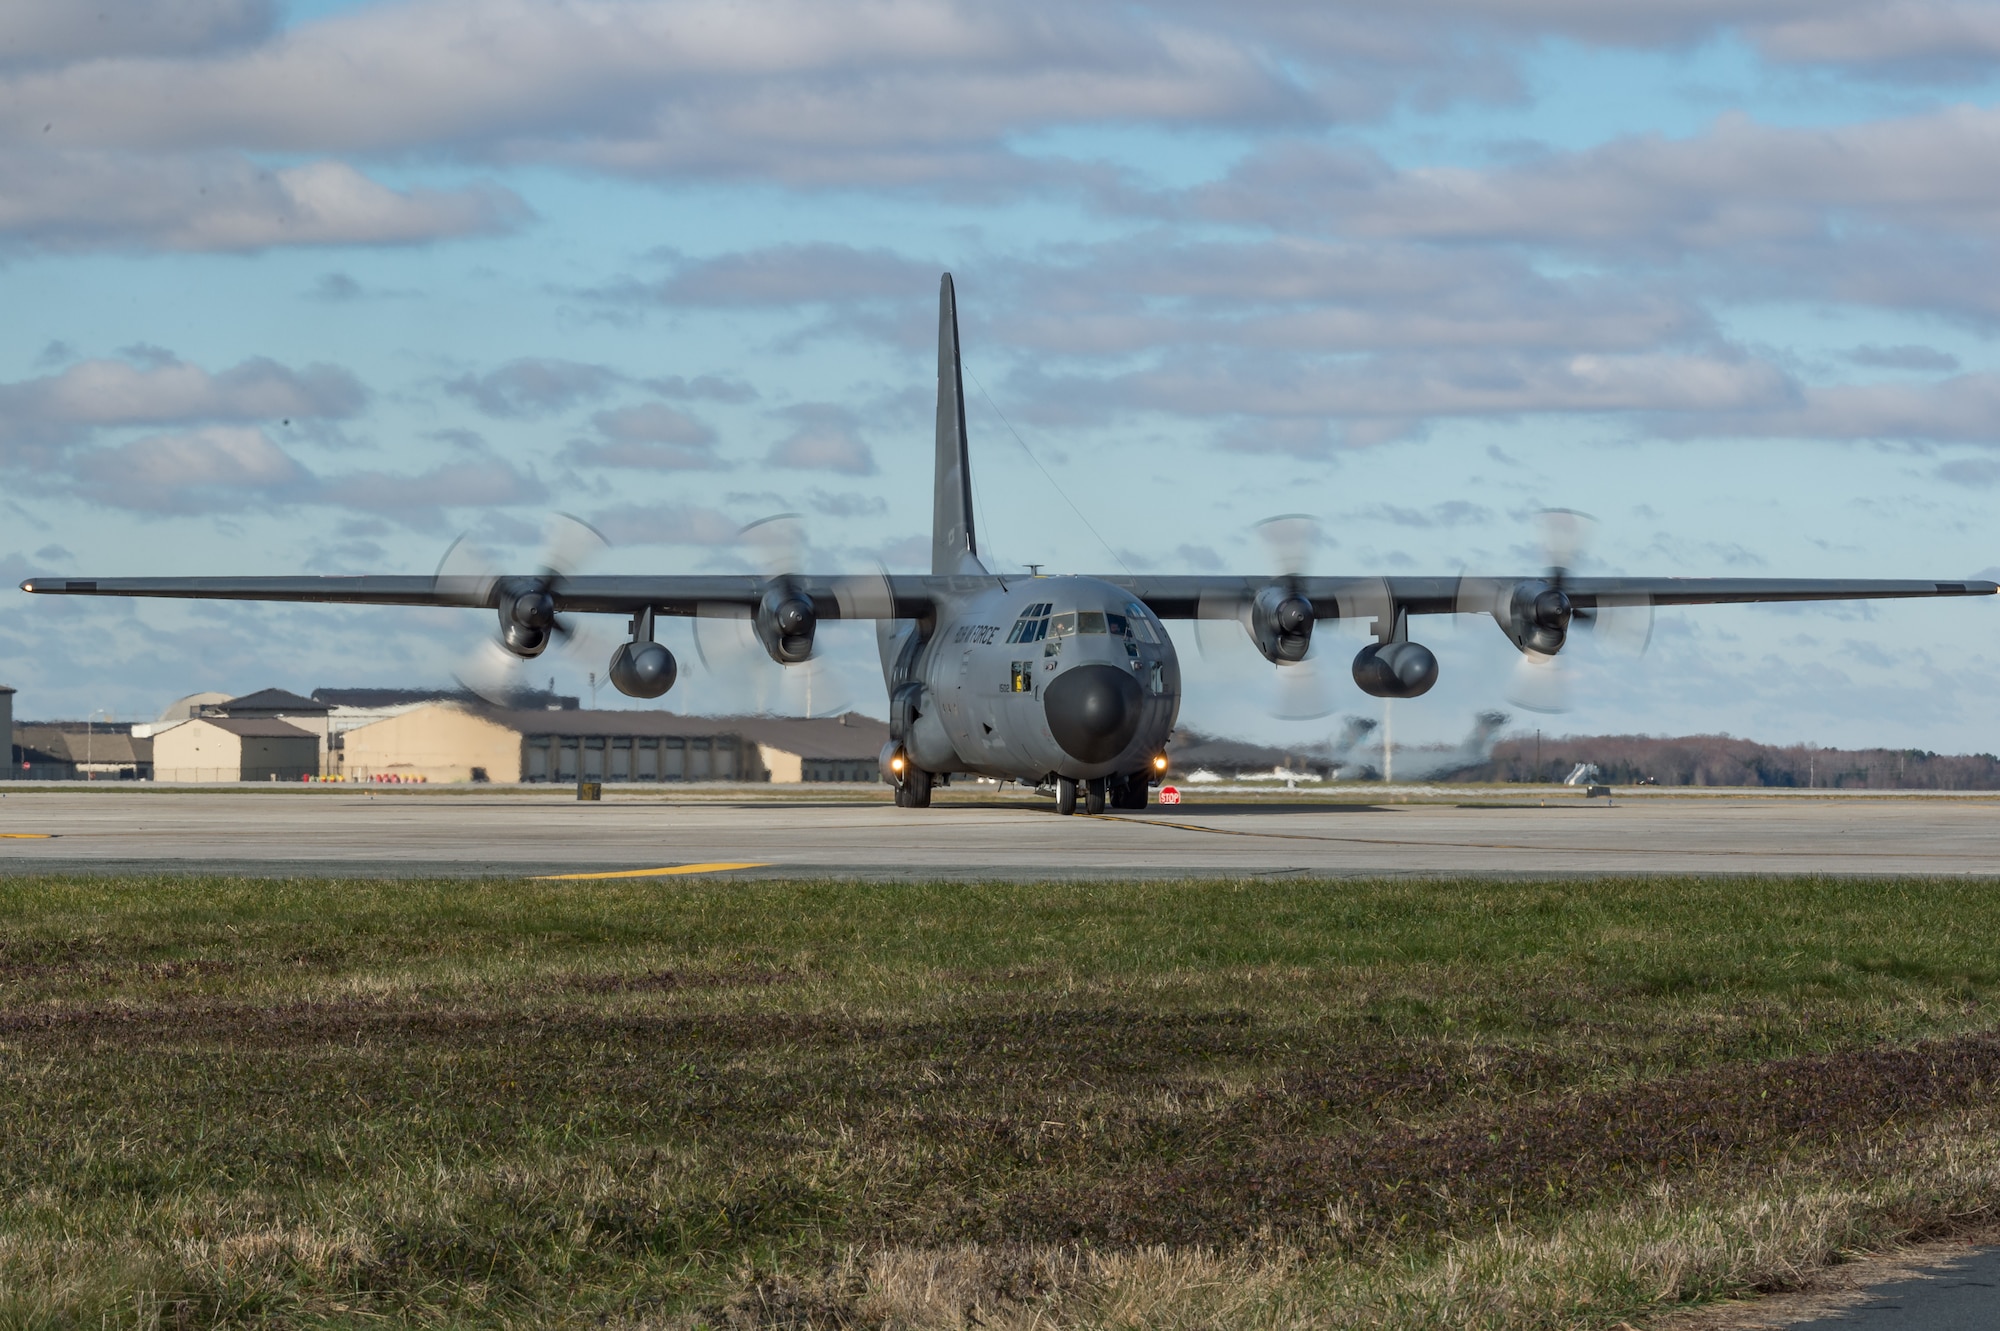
column 1066, row 682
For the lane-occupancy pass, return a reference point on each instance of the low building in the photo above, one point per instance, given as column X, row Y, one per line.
column 81, row 751
column 308, row 714
column 227, row 748
column 14, row 762
column 451, row 741
column 354, row 708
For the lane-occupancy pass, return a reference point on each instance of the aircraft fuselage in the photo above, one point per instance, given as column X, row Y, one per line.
column 1057, row 676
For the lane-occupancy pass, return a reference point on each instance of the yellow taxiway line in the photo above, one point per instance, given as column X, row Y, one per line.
column 670, row 870
column 26, row 836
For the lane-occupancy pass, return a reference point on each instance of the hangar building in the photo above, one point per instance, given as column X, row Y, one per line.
column 228, row 748
column 450, row 741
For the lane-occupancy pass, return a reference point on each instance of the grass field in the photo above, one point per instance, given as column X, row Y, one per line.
column 712, row 1103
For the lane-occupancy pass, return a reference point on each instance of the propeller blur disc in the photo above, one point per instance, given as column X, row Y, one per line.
column 467, row 572
column 1304, row 690
column 1623, row 624
column 1566, row 534
column 777, row 544
column 1540, row 683
column 1293, row 539
column 568, row 544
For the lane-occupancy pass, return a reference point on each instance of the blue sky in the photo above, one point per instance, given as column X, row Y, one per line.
column 319, row 287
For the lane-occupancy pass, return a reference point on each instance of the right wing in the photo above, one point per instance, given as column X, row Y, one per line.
column 1220, row 597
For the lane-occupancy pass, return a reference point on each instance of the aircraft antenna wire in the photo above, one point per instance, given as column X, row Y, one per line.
column 1045, row 473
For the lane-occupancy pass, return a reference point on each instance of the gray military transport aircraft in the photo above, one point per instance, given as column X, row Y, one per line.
column 1068, row 683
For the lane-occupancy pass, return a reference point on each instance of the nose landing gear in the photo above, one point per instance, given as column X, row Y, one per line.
column 1098, row 794
column 1093, row 795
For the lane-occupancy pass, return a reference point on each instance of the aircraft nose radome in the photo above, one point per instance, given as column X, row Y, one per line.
column 1093, row 711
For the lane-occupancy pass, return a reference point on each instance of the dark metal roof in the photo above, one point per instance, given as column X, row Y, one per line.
column 530, row 699
column 850, row 736
column 75, row 746
column 271, row 700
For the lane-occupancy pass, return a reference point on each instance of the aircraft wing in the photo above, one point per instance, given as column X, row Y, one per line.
column 861, row 596
column 902, row 596
column 1217, row 597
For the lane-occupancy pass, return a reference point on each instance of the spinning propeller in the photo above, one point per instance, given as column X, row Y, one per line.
column 1278, row 620
column 781, row 631
column 499, row 670
column 1545, row 681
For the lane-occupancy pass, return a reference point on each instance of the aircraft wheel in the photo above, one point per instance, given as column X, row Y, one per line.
column 1135, row 793
column 1065, row 796
column 1093, row 795
column 920, row 789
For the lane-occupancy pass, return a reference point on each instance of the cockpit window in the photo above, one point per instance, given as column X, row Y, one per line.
column 1118, row 626
column 1064, row 625
column 1090, row 621
column 1142, row 623
column 1033, row 625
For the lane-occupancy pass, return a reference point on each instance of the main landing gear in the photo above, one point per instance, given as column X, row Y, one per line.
column 1100, row 793
column 915, row 792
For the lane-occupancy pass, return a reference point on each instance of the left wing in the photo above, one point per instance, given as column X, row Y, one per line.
column 862, row 596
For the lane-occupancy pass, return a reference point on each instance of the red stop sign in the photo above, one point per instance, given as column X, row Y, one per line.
column 1169, row 795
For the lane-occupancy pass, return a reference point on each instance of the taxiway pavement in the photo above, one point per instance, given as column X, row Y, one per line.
column 349, row 832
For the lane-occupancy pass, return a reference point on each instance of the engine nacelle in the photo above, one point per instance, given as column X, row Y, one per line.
column 642, row 669
column 785, row 622
column 1395, row 669
column 1538, row 616
column 1281, row 624
column 527, row 618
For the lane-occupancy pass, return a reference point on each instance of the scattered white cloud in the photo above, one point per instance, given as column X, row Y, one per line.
column 826, row 437
column 530, row 388
column 61, row 32
column 40, row 417
column 667, row 524
column 215, row 469
column 708, row 387
column 1917, row 358
column 68, row 201
column 794, row 275
column 847, row 504
column 421, row 497
column 649, row 436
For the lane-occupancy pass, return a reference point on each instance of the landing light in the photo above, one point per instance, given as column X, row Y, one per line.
column 896, row 763
column 1160, row 763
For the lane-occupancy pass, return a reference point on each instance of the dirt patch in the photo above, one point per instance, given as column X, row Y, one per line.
column 1484, row 1167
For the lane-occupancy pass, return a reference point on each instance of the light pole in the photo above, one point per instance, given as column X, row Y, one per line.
column 90, row 741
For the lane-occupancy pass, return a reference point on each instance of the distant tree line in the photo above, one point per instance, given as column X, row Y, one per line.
column 1721, row 760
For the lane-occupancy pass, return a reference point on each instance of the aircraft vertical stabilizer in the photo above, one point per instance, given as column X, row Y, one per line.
column 953, row 548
